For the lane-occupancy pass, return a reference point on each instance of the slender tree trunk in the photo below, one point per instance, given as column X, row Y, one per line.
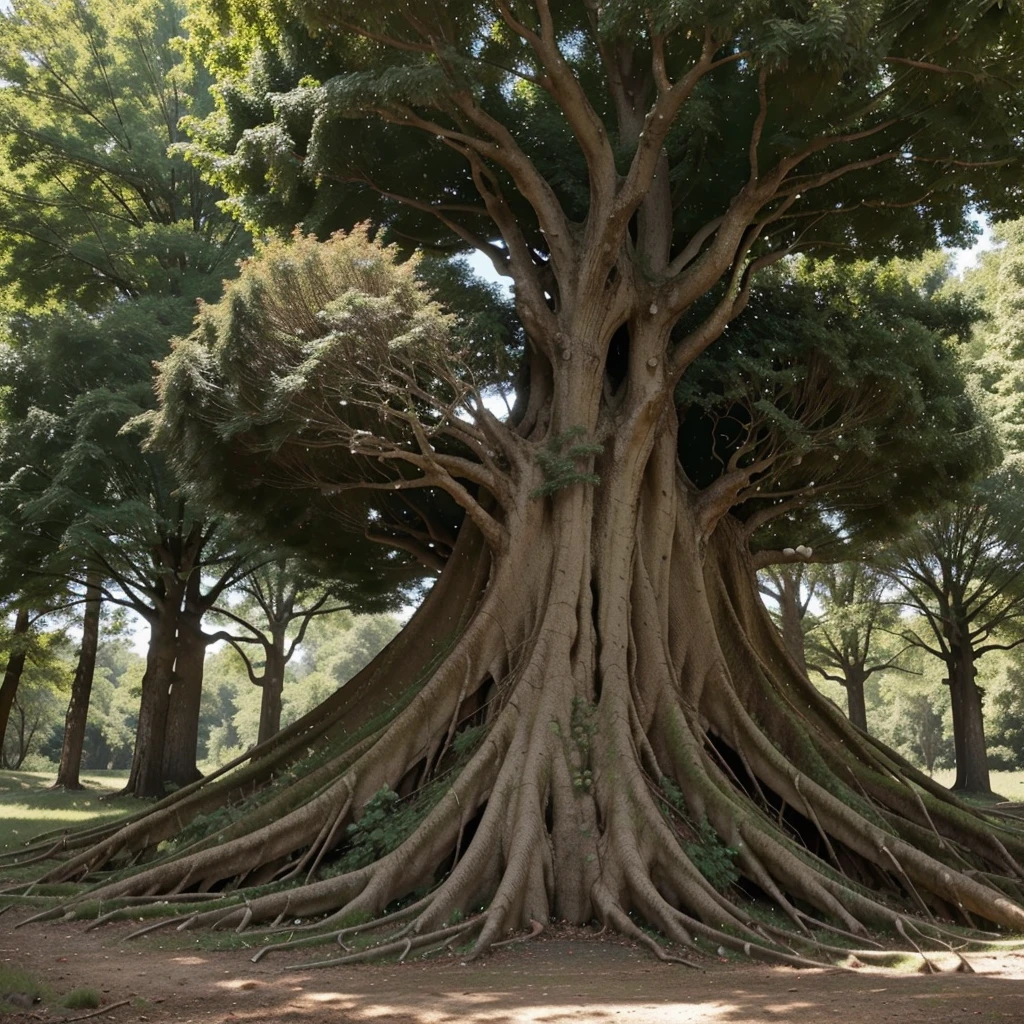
column 15, row 668
column 81, row 689
column 792, row 620
column 272, row 688
column 972, row 775
column 855, row 678
column 146, row 778
column 186, row 696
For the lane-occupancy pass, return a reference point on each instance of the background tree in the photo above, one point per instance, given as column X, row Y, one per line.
column 963, row 572
column 791, row 590
column 278, row 602
column 43, row 679
column 595, row 644
column 81, row 688
column 852, row 637
column 106, row 243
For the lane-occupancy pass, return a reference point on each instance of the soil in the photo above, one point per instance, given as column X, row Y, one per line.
column 562, row 977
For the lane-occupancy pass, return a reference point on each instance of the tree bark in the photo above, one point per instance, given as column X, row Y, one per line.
column 855, row 678
column 792, row 619
column 146, row 777
column 81, row 689
column 15, row 668
column 272, row 686
column 179, row 762
column 972, row 774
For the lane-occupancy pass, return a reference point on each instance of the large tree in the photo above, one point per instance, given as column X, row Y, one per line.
column 962, row 572
column 107, row 241
column 592, row 687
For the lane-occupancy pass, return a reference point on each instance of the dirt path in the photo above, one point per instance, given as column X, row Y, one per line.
column 551, row 980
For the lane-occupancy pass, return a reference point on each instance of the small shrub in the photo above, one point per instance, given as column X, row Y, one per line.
column 706, row 851
column 712, row 858
column 82, row 999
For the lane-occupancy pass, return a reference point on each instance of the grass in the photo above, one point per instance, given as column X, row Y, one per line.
column 1007, row 784
column 16, row 981
column 28, row 807
column 82, row 999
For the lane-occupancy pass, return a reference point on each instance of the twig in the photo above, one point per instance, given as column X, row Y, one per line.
column 96, row 1013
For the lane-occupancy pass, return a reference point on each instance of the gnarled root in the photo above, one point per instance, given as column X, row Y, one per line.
column 622, row 740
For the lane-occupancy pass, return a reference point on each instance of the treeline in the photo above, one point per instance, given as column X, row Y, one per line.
column 229, row 717
column 921, row 640
column 109, row 242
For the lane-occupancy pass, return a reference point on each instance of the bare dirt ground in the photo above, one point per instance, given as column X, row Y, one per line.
column 550, row 980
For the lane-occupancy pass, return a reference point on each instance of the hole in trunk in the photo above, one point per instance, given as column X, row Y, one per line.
column 616, row 366
column 594, row 607
column 412, row 779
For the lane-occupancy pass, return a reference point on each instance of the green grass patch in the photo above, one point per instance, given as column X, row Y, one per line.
column 82, row 999
column 29, row 808
column 18, row 983
column 1007, row 784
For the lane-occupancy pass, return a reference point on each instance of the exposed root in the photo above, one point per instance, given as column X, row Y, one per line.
column 535, row 929
column 623, row 740
column 403, row 946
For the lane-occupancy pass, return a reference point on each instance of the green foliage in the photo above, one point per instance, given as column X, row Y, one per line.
column 91, row 205
column 106, row 244
column 82, row 999
column 311, row 327
column 381, row 827
column 706, row 851
column 466, row 740
column 712, row 858
column 290, row 75
column 386, row 821
column 845, row 379
column 845, row 386
column 560, row 461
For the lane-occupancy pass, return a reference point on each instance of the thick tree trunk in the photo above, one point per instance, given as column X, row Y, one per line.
column 854, row 684
column 617, row 690
column 186, row 697
column 81, row 689
column 15, row 668
column 595, row 719
column 972, row 775
column 272, row 687
column 146, row 777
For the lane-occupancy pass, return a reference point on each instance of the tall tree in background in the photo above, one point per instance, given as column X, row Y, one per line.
column 851, row 639
column 81, row 688
column 792, row 592
column 106, row 243
column 963, row 572
column 279, row 600
column 595, row 641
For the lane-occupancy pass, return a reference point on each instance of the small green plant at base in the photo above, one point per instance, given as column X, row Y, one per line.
column 712, row 858
column 559, row 460
column 456, row 917
column 82, row 999
column 463, row 742
column 706, row 851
